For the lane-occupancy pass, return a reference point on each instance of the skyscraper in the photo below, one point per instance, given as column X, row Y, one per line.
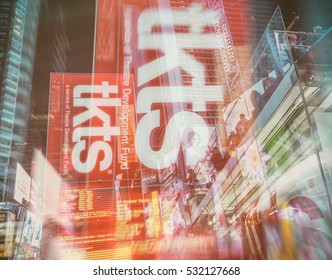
column 18, row 33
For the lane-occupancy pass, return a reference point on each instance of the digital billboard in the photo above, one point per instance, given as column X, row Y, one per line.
column 84, row 128
column 7, row 233
column 127, row 138
column 176, row 86
column 29, row 236
column 22, row 185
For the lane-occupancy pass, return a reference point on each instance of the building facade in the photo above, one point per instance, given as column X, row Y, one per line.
column 220, row 121
column 202, row 132
column 19, row 24
column 19, row 30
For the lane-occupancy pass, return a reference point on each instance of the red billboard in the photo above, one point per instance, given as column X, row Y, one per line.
column 123, row 131
column 91, row 125
column 173, row 58
column 90, row 144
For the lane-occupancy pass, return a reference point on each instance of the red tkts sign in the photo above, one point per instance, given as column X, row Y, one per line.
column 83, row 128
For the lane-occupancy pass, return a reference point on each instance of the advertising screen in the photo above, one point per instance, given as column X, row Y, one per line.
column 101, row 223
column 177, row 88
column 30, row 236
column 133, row 135
column 22, row 185
column 7, row 232
column 91, row 125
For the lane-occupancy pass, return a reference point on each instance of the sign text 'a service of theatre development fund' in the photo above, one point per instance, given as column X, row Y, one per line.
column 91, row 118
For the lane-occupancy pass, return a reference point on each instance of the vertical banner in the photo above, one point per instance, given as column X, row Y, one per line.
column 170, row 49
column 175, row 86
column 22, row 186
column 90, row 140
column 225, row 53
column 107, row 37
column 84, row 128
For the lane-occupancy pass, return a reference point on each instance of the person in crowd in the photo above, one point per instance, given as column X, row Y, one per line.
column 268, row 82
column 242, row 126
column 217, row 159
column 175, row 171
column 295, row 41
column 233, row 140
column 257, row 101
column 194, row 151
column 318, row 30
column 191, row 178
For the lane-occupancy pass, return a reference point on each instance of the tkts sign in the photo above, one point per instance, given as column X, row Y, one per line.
column 83, row 126
column 171, row 50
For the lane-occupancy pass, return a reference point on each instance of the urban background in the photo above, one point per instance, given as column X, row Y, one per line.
column 165, row 129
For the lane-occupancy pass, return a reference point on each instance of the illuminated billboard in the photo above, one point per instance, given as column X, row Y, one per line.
column 178, row 85
column 125, row 138
column 7, row 233
column 164, row 151
column 22, row 185
column 29, row 237
column 83, row 128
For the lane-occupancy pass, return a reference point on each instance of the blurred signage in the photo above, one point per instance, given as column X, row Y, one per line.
column 153, row 222
column 7, row 232
column 83, row 130
column 29, row 237
column 159, row 119
column 90, row 140
column 101, row 222
column 150, row 178
column 226, row 53
column 22, row 186
column 34, row 197
column 174, row 83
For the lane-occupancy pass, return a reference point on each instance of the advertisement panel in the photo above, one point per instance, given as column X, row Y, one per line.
column 7, row 232
column 91, row 146
column 29, row 240
column 127, row 139
column 34, row 198
column 22, row 186
column 153, row 146
column 101, row 223
column 175, row 87
column 226, row 53
column 83, row 128
column 179, row 94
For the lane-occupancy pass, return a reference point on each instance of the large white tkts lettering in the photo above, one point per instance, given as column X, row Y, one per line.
column 174, row 47
column 91, row 160
column 172, row 141
column 93, row 110
column 98, row 149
